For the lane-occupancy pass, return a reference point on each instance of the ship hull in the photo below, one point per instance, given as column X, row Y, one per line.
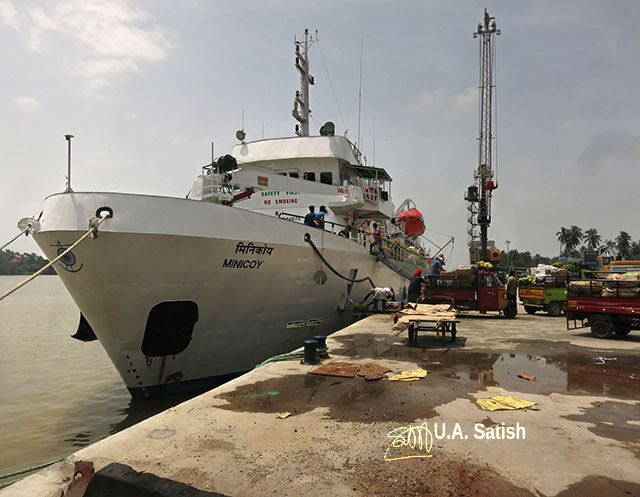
column 257, row 287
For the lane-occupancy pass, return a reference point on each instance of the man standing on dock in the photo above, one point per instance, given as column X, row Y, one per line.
column 415, row 286
column 512, row 287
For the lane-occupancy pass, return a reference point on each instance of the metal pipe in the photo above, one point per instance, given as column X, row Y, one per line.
column 68, row 138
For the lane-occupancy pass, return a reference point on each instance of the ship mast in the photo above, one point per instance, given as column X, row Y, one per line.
column 479, row 195
column 301, row 109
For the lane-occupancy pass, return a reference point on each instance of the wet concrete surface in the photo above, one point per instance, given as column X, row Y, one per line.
column 582, row 435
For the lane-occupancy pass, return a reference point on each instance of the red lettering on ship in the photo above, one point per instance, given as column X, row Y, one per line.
column 343, row 190
column 286, row 201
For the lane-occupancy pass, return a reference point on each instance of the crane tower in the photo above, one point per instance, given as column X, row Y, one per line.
column 479, row 194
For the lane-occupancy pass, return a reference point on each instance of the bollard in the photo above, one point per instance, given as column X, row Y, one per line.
column 321, row 339
column 310, row 349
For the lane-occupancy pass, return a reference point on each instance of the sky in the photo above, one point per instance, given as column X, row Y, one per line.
column 146, row 86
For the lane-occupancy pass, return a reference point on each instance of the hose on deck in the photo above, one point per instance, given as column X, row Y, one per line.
column 307, row 238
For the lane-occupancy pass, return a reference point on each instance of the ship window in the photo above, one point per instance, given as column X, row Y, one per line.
column 309, row 176
column 294, row 175
column 169, row 328
column 326, row 178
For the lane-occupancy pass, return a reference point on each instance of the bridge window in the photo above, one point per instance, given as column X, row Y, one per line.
column 326, row 178
column 309, row 176
column 294, row 175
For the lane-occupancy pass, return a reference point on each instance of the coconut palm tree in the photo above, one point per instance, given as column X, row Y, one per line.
column 562, row 236
column 608, row 246
column 623, row 244
column 573, row 237
column 592, row 239
column 635, row 250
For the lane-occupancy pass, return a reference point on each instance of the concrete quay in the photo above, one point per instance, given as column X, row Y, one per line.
column 582, row 437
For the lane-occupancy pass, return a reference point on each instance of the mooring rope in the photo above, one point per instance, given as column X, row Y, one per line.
column 6, row 483
column 16, row 237
column 322, row 352
column 93, row 228
column 26, row 470
column 307, row 238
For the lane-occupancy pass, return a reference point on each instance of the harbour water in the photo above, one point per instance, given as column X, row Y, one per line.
column 57, row 394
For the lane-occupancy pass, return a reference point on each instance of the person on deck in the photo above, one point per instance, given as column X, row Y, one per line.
column 415, row 286
column 434, row 269
column 376, row 245
column 309, row 219
column 319, row 220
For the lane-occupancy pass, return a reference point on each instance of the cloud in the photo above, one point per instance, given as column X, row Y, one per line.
column 618, row 146
column 107, row 39
column 449, row 104
column 9, row 14
column 27, row 103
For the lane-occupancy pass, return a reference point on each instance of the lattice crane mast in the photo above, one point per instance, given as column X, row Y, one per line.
column 479, row 194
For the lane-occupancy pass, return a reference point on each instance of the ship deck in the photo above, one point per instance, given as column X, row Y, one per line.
column 349, row 436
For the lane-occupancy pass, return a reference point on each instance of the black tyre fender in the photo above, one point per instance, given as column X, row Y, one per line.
column 601, row 327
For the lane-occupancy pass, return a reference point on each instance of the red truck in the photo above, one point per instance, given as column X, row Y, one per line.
column 608, row 306
column 482, row 291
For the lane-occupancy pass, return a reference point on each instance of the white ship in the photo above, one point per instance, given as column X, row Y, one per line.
column 180, row 291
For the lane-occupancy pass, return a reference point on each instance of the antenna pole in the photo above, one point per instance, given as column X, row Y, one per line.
column 374, row 138
column 68, row 189
column 301, row 109
column 360, row 91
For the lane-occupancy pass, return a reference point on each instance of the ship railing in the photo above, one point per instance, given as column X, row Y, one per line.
column 394, row 253
column 370, row 189
column 330, row 226
column 215, row 184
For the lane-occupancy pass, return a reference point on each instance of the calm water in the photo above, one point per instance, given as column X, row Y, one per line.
column 57, row 394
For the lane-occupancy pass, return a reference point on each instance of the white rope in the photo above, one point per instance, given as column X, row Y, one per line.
column 92, row 229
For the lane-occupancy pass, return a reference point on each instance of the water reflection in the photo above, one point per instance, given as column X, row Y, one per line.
column 570, row 372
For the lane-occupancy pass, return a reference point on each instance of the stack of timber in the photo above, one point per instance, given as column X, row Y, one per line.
column 436, row 313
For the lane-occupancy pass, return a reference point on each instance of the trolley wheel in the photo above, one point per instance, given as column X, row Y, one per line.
column 554, row 309
column 530, row 309
column 601, row 328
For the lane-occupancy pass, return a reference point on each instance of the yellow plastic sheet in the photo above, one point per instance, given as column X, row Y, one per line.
column 283, row 415
column 499, row 402
column 413, row 375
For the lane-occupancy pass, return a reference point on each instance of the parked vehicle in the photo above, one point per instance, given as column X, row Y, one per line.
column 480, row 290
column 608, row 306
column 549, row 295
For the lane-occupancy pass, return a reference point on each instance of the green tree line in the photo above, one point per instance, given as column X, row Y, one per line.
column 573, row 241
column 17, row 263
